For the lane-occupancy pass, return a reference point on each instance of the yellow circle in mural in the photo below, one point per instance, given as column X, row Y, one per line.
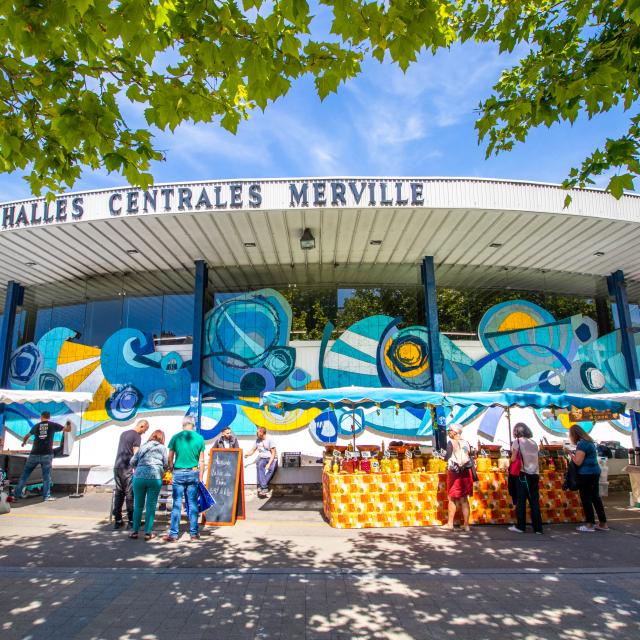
column 517, row 320
column 410, row 355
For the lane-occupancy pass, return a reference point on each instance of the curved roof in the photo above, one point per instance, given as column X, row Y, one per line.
column 368, row 231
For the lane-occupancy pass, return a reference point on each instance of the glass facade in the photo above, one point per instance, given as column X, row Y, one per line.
column 166, row 318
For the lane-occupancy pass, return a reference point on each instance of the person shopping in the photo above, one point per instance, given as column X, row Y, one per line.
column 525, row 451
column 128, row 444
column 267, row 461
column 585, row 457
column 186, row 458
column 459, row 476
column 149, row 462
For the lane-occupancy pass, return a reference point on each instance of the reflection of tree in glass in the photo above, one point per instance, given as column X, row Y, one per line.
column 312, row 309
column 459, row 311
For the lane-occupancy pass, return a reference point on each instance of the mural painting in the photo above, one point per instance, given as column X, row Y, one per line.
column 247, row 351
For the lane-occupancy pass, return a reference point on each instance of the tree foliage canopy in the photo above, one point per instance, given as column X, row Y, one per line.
column 71, row 70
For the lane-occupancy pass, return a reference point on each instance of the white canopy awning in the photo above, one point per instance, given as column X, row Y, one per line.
column 8, row 396
column 631, row 399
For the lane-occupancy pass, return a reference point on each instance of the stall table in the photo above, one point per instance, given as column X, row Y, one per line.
column 416, row 499
column 13, row 463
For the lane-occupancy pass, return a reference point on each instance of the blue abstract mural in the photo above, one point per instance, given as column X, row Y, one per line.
column 247, row 351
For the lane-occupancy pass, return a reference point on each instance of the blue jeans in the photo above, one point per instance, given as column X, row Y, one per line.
column 264, row 476
column 184, row 481
column 32, row 462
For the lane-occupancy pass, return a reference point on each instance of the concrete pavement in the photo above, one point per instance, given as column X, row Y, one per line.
column 284, row 573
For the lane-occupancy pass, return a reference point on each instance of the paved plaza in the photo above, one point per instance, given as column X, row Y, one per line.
column 284, row 573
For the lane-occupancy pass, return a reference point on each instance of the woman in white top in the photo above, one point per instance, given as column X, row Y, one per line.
column 459, row 476
column 526, row 449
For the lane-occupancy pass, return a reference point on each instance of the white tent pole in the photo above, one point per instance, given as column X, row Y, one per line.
column 77, row 494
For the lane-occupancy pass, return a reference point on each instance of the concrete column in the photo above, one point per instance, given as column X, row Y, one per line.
column 618, row 290
column 14, row 298
column 199, row 296
column 435, row 362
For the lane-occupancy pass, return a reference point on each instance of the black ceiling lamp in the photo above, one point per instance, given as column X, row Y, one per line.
column 307, row 241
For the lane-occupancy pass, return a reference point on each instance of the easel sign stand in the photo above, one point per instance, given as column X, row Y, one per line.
column 225, row 482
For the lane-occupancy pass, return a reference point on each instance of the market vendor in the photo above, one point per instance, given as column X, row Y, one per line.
column 267, row 461
column 41, row 453
column 226, row 440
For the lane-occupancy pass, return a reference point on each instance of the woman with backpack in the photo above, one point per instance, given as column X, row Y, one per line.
column 585, row 457
column 459, row 476
column 525, row 470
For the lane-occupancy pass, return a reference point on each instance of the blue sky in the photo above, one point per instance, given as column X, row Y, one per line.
column 382, row 123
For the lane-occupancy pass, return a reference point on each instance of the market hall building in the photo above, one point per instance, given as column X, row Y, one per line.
column 197, row 297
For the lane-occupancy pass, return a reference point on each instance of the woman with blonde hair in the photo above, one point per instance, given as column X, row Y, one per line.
column 150, row 462
column 459, row 476
column 585, row 457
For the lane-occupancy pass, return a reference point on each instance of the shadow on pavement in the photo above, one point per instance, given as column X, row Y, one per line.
column 298, row 578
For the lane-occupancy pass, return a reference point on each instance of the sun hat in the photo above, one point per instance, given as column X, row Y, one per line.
column 456, row 428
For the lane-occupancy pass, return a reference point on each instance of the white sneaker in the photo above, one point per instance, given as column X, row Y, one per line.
column 49, row 499
column 584, row 529
column 515, row 529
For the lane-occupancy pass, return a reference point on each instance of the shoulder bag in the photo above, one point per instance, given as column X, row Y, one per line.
column 570, row 482
column 516, row 467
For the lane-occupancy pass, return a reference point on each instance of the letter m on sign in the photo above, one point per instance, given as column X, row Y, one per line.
column 299, row 196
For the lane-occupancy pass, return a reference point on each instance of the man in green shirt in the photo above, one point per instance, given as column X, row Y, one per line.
column 186, row 458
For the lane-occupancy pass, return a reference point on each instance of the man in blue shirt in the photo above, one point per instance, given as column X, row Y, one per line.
column 41, row 453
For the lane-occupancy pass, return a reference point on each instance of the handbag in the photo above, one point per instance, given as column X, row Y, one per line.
column 570, row 481
column 516, row 466
column 204, row 499
column 474, row 471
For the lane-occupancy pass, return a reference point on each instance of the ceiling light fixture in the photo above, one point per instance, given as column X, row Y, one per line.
column 495, row 245
column 375, row 243
column 307, row 241
column 132, row 252
column 599, row 254
column 29, row 264
column 250, row 245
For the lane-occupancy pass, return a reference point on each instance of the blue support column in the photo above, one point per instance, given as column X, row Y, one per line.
column 618, row 289
column 14, row 298
column 431, row 315
column 199, row 293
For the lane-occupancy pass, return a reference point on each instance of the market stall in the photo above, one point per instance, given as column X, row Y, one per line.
column 365, row 486
column 418, row 497
column 13, row 462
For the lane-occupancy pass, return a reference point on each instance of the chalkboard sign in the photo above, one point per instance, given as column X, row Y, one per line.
column 225, row 481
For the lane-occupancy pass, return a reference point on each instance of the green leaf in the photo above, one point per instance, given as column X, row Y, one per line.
column 618, row 184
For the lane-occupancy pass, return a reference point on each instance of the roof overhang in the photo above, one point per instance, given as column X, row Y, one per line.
column 368, row 231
